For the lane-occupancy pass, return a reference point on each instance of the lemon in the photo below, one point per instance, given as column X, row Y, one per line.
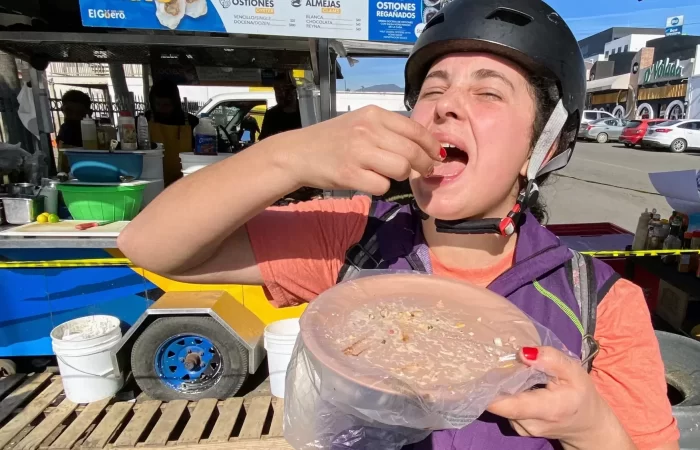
column 42, row 219
column 53, row 218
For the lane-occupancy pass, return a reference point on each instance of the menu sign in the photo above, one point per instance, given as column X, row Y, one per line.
column 376, row 20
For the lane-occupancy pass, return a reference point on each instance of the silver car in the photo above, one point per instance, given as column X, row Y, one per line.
column 604, row 130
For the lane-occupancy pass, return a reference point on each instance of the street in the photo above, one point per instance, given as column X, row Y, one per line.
column 609, row 183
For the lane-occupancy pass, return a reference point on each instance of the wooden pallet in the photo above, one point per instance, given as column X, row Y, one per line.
column 34, row 414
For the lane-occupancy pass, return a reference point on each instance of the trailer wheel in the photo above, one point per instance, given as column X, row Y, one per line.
column 7, row 367
column 188, row 358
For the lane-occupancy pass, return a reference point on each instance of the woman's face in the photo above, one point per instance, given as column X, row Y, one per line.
column 481, row 107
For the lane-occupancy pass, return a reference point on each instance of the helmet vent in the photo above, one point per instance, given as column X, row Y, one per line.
column 511, row 16
column 440, row 18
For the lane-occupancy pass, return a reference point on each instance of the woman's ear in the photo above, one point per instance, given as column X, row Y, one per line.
column 550, row 154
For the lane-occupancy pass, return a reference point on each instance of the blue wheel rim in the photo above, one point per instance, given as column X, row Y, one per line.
column 188, row 363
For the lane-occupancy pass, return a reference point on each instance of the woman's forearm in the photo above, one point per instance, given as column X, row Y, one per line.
column 184, row 225
column 609, row 434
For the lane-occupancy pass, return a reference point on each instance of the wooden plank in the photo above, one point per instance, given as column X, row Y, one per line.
column 255, row 418
column 105, row 429
column 143, row 413
column 171, row 415
column 9, row 382
column 42, row 431
column 76, row 429
column 53, row 436
column 31, row 412
column 16, row 439
column 228, row 414
column 198, row 421
column 277, row 418
column 19, row 396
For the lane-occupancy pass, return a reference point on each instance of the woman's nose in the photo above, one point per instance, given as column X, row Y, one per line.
column 450, row 106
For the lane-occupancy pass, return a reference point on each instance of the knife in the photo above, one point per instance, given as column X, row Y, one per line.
column 85, row 226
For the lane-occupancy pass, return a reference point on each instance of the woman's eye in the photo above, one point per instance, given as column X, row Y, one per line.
column 490, row 96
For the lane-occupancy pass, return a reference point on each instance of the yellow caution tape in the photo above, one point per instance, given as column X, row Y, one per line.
column 125, row 262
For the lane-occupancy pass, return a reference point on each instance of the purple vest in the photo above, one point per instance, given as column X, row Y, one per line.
column 539, row 256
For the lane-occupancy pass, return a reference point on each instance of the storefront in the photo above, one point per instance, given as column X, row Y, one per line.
column 608, row 94
column 663, row 86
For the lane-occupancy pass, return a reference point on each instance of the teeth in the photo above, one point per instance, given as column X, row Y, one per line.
column 445, row 145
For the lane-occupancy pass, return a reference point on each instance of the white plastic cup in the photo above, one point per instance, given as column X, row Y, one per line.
column 280, row 337
column 83, row 348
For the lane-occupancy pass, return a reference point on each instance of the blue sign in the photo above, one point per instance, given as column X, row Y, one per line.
column 674, row 31
column 395, row 21
column 399, row 21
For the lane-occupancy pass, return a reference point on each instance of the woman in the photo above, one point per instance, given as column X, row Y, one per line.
column 170, row 125
column 496, row 91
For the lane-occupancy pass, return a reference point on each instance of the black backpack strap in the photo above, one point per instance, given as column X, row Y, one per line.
column 365, row 255
column 581, row 271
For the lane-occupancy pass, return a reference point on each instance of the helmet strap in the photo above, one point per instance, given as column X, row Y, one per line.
column 528, row 196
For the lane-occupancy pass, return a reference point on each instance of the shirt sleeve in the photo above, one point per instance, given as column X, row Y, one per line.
column 301, row 248
column 628, row 371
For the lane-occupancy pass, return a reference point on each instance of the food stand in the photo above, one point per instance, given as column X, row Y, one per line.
column 56, row 275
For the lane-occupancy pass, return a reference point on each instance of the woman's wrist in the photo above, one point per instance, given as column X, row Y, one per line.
column 605, row 432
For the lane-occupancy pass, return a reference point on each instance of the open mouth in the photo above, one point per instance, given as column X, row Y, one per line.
column 453, row 165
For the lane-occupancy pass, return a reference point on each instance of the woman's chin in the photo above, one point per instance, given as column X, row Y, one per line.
column 445, row 207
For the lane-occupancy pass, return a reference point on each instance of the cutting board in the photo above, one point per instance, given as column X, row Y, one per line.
column 66, row 228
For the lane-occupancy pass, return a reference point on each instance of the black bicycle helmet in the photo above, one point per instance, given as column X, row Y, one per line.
column 529, row 33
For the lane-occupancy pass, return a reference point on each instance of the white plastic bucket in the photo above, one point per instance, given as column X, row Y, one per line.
column 153, row 189
column 192, row 163
column 82, row 347
column 280, row 337
column 152, row 165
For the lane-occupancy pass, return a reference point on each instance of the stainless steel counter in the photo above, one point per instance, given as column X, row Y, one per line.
column 54, row 242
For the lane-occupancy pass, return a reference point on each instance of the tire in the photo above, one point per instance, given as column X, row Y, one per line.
column 629, row 145
column 678, row 146
column 158, row 364
column 681, row 357
column 602, row 138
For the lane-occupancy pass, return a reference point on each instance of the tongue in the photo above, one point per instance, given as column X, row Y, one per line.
column 450, row 167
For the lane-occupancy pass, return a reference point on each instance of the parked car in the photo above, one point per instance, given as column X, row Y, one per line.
column 634, row 131
column 591, row 116
column 604, row 130
column 675, row 135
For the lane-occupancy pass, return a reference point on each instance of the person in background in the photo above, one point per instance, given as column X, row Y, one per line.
column 250, row 125
column 284, row 116
column 170, row 125
column 75, row 105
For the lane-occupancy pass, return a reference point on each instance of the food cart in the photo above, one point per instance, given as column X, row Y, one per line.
column 52, row 277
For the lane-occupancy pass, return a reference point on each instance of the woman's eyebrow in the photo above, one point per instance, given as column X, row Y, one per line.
column 441, row 74
column 482, row 74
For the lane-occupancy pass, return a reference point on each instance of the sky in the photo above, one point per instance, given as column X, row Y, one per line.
column 584, row 17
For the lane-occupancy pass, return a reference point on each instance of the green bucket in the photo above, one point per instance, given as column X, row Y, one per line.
column 102, row 202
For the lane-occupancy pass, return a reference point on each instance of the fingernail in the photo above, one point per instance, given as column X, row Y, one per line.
column 530, row 353
column 443, row 153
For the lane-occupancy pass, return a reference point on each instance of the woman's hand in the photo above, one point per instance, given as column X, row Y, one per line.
column 568, row 409
column 360, row 150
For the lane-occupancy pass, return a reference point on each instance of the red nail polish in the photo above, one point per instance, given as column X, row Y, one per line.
column 443, row 153
column 530, row 353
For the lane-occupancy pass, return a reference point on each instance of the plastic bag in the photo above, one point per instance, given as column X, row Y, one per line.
column 12, row 158
column 382, row 361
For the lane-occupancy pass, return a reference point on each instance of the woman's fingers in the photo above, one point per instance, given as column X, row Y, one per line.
column 535, row 404
column 552, row 362
column 415, row 132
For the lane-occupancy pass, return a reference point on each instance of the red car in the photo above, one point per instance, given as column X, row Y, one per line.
column 635, row 130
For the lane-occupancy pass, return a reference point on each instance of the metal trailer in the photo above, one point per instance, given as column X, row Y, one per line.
column 47, row 281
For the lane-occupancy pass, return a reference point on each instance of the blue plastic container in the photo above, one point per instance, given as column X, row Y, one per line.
column 96, row 167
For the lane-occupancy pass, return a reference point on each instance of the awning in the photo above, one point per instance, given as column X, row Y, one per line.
column 619, row 83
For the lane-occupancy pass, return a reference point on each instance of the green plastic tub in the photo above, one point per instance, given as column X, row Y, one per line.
column 102, row 202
